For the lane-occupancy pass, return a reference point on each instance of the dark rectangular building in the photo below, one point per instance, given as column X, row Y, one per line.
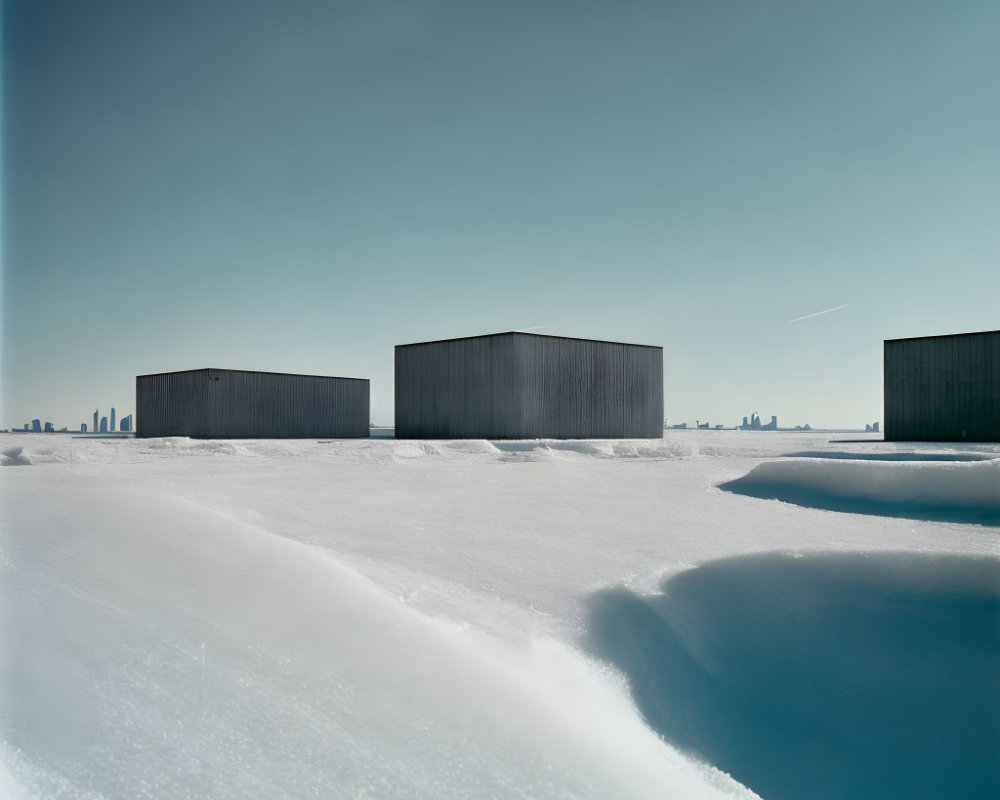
column 235, row 404
column 943, row 388
column 528, row 386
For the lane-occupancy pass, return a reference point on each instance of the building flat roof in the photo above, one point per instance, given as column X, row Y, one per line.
column 940, row 336
column 248, row 371
column 526, row 333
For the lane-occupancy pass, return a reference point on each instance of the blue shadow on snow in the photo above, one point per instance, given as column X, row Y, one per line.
column 823, row 676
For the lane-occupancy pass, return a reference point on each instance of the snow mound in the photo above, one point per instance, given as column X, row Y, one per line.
column 503, row 451
column 13, row 457
column 573, row 449
column 957, row 491
column 177, row 445
column 824, row 676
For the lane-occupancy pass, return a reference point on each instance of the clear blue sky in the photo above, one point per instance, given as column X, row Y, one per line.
column 299, row 186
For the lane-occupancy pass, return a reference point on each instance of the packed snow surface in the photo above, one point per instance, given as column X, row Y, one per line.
column 380, row 618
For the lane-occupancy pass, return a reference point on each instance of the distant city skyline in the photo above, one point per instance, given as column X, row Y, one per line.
column 767, row 190
column 100, row 424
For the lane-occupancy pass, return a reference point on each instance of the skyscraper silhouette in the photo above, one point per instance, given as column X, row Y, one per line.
column 95, row 419
column 104, row 424
column 112, row 428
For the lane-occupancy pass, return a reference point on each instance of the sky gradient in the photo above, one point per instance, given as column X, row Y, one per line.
column 300, row 186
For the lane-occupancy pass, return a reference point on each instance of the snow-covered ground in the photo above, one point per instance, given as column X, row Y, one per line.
column 299, row 619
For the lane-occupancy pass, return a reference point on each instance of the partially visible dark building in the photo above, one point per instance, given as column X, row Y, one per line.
column 104, row 424
column 235, row 404
column 36, row 426
column 49, row 427
column 83, row 427
column 943, row 388
column 126, row 424
column 96, row 411
column 526, row 386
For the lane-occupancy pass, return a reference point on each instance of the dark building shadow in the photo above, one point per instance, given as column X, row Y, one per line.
column 819, row 677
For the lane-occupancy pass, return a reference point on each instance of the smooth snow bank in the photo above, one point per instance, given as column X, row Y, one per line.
column 957, row 491
column 892, row 456
column 825, row 676
column 156, row 649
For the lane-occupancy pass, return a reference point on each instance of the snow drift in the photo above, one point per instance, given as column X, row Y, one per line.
column 957, row 492
column 14, row 457
column 159, row 649
column 869, row 676
column 387, row 619
column 903, row 455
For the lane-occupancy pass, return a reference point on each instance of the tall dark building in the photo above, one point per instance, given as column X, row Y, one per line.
column 943, row 388
column 126, row 424
column 112, row 418
column 236, row 404
column 525, row 386
column 104, row 424
column 96, row 410
column 36, row 425
column 83, row 427
column 49, row 427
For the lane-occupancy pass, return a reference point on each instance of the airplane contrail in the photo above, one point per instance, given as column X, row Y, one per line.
column 817, row 314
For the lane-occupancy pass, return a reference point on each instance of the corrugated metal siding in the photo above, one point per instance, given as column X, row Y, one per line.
column 457, row 389
column 524, row 386
column 232, row 404
column 943, row 388
column 172, row 404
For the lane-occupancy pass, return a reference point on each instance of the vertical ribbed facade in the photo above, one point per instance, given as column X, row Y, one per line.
column 528, row 386
column 235, row 404
column 943, row 388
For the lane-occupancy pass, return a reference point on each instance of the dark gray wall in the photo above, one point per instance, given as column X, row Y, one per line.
column 172, row 404
column 943, row 388
column 233, row 404
column 526, row 386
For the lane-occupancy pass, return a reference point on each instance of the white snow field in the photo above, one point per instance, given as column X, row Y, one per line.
column 395, row 619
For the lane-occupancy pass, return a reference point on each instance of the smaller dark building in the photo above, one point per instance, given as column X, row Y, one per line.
column 526, row 386
column 237, row 404
column 943, row 388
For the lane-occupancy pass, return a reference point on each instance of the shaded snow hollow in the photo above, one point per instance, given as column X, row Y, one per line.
column 960, row 491
column 295, row 619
